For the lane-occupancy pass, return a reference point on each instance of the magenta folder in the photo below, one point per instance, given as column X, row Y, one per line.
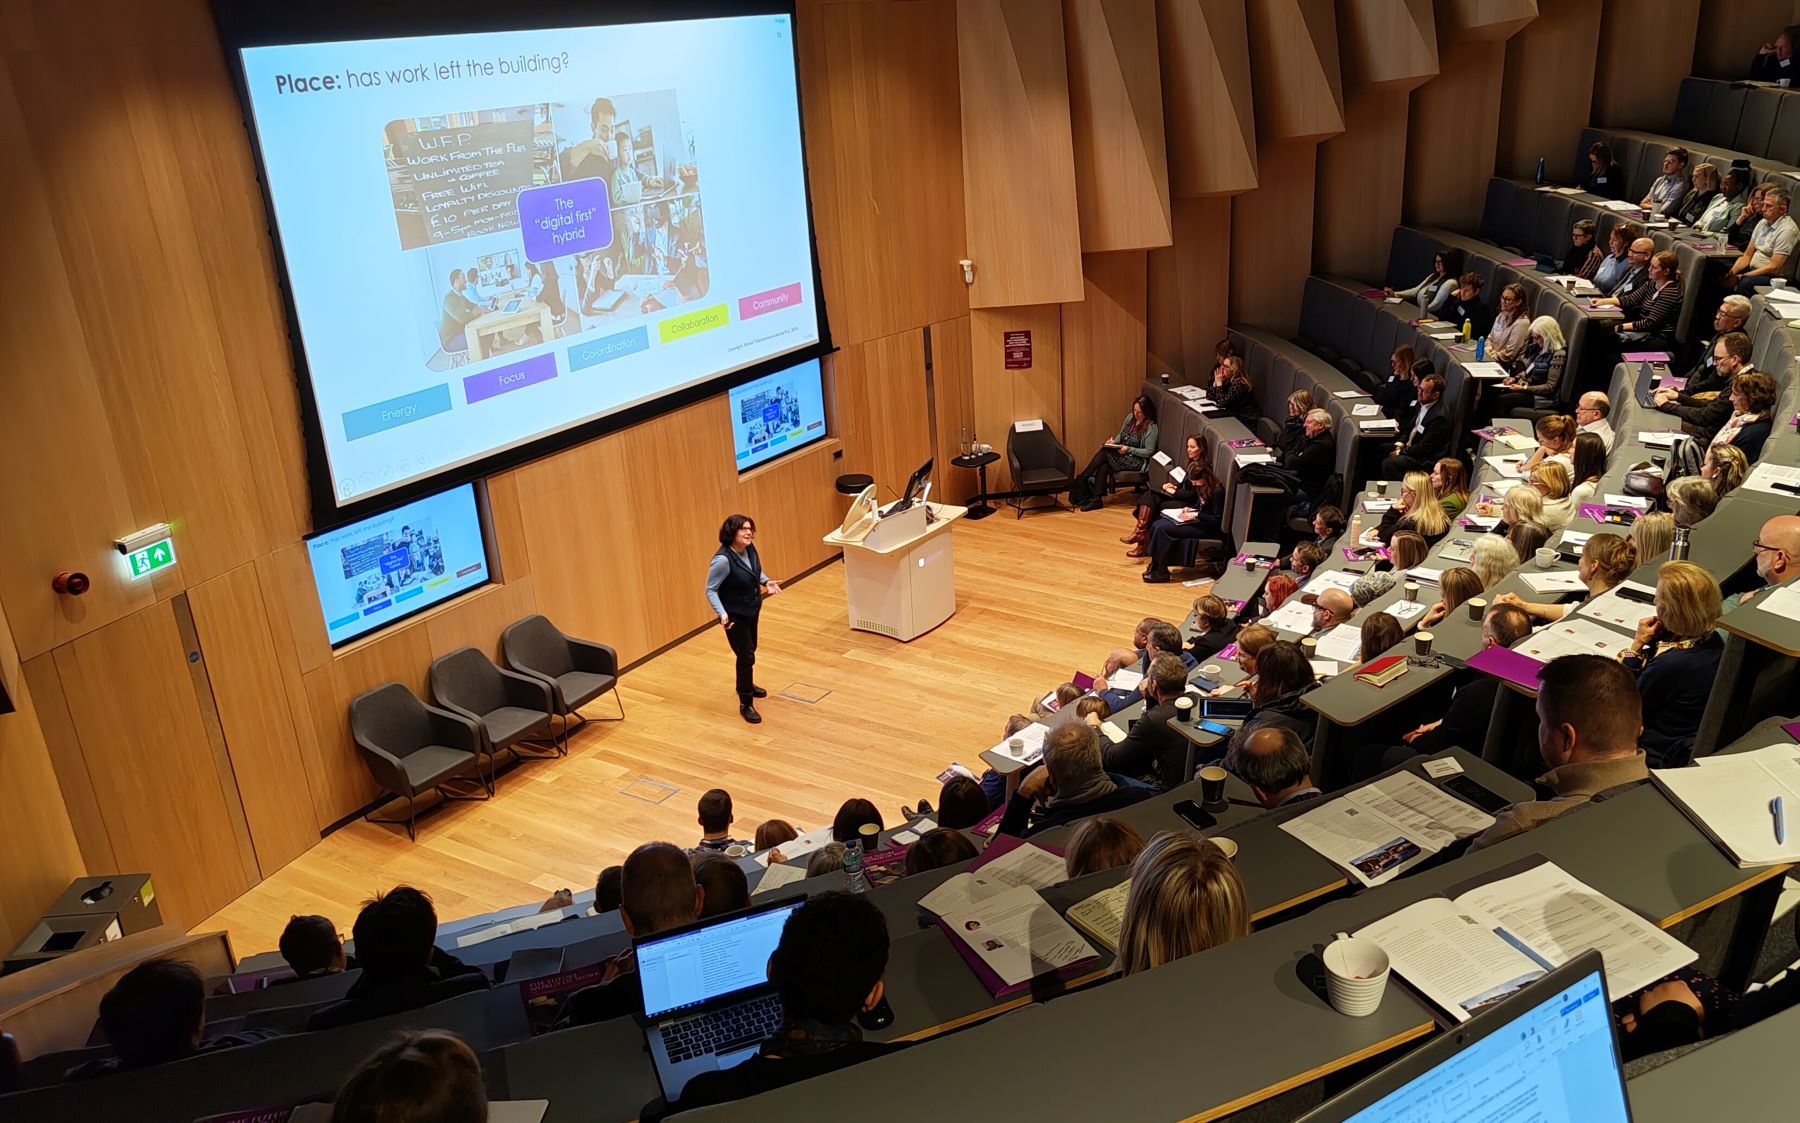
column 1508, row 666
column 1374, row 294
column 1520, row 261
column 997, row 986
column 1646, row 356
column 1792, row 729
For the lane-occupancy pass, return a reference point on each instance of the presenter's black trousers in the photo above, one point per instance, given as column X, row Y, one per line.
column 742, row 637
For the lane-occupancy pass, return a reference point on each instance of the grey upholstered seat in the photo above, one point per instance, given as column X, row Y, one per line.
column 410, row 747
column 1040, row 464
column 508, row 707
column 577, row 670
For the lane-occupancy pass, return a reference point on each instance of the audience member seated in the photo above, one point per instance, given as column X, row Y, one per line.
column 422, row 1076
column 660, row 892
column 1172, row 494
column 1046, row 708
column 1293, row 428
column 938, row 848
column 1584, row 255
column 1651, row 309
column 1636, row 274
column 1252, row 641
column 1527, row 538
column 724, row 887
column 1667, row 189
column 715, row 824
column 1213, row 627
column 1312, row 460
column 1752, row 399
column 1159, row 639
column 1776, row 556
column 1202, row 521
column 1604, row 178
column 1434, row 293
column 1467, row 308
column 1540, row 372
column 1651, row 534
column 1129, row 451
column 1507, row 338
column 773, row 832
column 312, row 947
column 1153, row 752
column 1588, row 464
column 1407, row 549
column 1774, row 62
column 1726, row 466
column 1492, row 559
column 826, row 859
column 1521, row 503
column 1185, row 897
column 1690, row 500
column 1429, row 436
column 1705, row 403
column 1451, row 482
column 1465, row 720
column 1699, row 198
column 1380, row 633
column 1307, row 558
column 1725, row 205
column 827, row 969
column 154, row 1014
column 1331, row 607
column 1455, row 589
column 1737, row 235
column 1766, row 253
column 1589, row 718
column 1701, row 379
column 1556, row 441
column 961, row 804
column 848, row 823
column 1071, row 783
column 1551, row 479
column 1278, row 768
column 1283, row 676
column 401, row 968
column 1232, row 390
column 1417, row 509
column 1606, row 560
column 1396, row 393
column 1675, row 654
column 1328, row 525
column 1616, row 265
column 1370, row 587
column 1100, row 843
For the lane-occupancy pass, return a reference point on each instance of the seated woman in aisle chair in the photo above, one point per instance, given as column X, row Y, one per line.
column 1130, row 451
column 1169, row 537
column 1177, row 491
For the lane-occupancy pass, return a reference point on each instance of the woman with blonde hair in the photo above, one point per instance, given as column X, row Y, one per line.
column 1726, row 466
column 1651, row 535
column 1606, row 560
column 1492, row 559
column 1451, row 482
column 1293, row 428
column 1407, row 550
column 1417, row 510
column 1691, row 499
column 1675, row 656
column 1551, row 479
column 1540, row 371
column 1252, row 640
column 1521, row 503
column 1185, row 897
column 1454, row 588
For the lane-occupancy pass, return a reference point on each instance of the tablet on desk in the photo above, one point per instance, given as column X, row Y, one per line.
column 513, row 305
column 1228, row 709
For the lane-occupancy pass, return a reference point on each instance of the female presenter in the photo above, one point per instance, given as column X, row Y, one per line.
column 735, row 582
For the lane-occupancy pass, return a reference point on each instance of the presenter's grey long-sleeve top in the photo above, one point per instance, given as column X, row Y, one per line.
column 715, row 576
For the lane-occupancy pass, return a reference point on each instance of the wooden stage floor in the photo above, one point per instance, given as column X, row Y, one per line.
column 1036, row 599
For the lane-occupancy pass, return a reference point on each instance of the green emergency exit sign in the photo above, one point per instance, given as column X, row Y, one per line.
column 157, row 555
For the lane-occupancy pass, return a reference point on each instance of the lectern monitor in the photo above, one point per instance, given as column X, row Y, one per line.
column 916, row 484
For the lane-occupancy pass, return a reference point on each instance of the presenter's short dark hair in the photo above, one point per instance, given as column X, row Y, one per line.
column 733, row 524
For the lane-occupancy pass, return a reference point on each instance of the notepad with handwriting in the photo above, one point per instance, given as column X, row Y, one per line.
column 1728, row 799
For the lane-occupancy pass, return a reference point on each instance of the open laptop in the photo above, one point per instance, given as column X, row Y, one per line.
column 1551, row 1046
column 708, row 1002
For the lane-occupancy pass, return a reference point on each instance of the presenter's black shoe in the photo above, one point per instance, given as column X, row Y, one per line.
column 749, row 713
column 759, row 692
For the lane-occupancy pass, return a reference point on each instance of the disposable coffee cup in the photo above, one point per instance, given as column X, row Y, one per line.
column 1016, row 747
column 1422, row 643
column 1546, row 557
column 1184, row 709
column 735, row 850
column 1211, row 670
column 1249, row 565
column 1212, row 786
column 1410, row 590
column 1356, row 975
column 1477, row 607
column 1778, row 282
column 1381, row 487
column 1227, row 845
column 1309, row 645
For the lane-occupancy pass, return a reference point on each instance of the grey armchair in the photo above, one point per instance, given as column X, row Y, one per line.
column 1040, row 465
column 577, row 670
column 511, row 709
column 411, row 748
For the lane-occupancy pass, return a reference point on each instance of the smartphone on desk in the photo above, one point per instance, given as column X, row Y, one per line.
column 1640, row 596
column 1213, row 727
column 1474, row 793
column 1194, row 815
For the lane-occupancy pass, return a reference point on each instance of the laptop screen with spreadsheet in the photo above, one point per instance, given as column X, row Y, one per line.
column 695, row 965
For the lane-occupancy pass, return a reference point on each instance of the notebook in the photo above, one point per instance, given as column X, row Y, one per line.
column 1729, row 800
column 1101, row 917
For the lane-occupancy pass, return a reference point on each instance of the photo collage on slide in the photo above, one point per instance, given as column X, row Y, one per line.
column 389, row 562
column 556, row 221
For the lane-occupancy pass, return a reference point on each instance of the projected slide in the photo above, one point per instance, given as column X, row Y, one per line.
column 491, row 238
column 778, row 413
column 381, row 569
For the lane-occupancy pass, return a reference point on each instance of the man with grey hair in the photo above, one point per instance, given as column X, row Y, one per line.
column 1591, row 412
column 1154, row 752
column 1733, row 313
column 1276, row 765
column 1069, row 784
column 1312, row 460
column 1770, row 244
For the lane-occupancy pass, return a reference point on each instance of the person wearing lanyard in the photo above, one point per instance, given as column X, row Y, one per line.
column 735, row 584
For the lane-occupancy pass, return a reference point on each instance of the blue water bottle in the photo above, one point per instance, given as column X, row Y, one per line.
column 1540, row 171
column 1481, row 349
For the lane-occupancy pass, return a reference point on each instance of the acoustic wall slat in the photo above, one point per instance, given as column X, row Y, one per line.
column 1294, row 68
column 880, row 394
column 1486, row 19
column 1273, row 228
column 1646, row 48
column 1190, row 290
column 1446, row 181
column 1207, row 101
column 953, row 400
column 1548, row 88
column 1387, row 44
column 1115, row 94
column 1103, row 349
column 1362, row 177
column 41, row 854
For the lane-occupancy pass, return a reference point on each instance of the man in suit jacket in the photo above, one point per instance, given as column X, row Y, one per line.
column 1276, row 765
column 1153, row 751
column 1313, row 457
column 1429, row 437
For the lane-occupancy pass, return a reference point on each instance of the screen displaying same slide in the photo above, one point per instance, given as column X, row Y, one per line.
column 777, row 413
column 371, row 573
column 491, row 238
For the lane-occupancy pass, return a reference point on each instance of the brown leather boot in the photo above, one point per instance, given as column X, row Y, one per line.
column 1140, row 533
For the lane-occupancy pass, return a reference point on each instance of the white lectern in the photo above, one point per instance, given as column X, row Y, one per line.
column 900, row 572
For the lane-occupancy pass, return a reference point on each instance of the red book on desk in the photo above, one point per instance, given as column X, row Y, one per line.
column 1508, row 666
column 1380, row 672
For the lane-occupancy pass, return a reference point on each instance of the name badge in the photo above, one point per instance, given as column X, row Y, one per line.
column 1599, row 179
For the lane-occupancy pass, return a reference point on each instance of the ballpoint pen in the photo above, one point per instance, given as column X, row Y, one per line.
column 1775, row 809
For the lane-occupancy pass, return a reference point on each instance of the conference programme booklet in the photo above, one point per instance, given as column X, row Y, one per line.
column 1380, row 830
column 1480, row 947
column 1013, row 937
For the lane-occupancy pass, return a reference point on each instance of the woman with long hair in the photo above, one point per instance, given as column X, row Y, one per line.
column 1454, row 587
column 1203, row 519
column 1186, row 896
column 1417, row 510
column 1129, row 451
column 1171, row 494
column 1451, row 482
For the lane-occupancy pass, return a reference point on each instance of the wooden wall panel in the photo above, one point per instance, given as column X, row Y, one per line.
column 953, row 409
column 1446, row 173
column 1103, row 349
column 57, row 726
column 884, row 151
column 1646, row 48
column 254, row 709
column 1294, row 69
column 1362, row 180
column 1485, row 19
column 881, row 407
column 146, row 752
column 1273, row 224
column 41, row 855
column 1548, row 89
column 1190, row 291
column 1209, row 110
column 1004, row 396
column 1731, row 31
column 1385, row 43
column 1018, row 155
column 1116, row 112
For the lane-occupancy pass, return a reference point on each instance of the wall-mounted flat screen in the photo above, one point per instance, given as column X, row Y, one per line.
column 372, row 573
column 777, row 413
column 498, row 242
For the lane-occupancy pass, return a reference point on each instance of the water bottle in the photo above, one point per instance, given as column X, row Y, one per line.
column 1678, row 546
column 1540, row 171
column 1468, row 330
column 853, row 858
column 964, row 447
column 1356, row 525
column 1481, row 349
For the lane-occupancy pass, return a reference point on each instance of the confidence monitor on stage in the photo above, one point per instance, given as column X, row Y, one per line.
column 917, row 487
column 1547, row 1054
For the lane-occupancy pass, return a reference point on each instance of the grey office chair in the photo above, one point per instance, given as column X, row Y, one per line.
column 577, row 670
column 511, row 709
column 1040, row 465
column 411, row 748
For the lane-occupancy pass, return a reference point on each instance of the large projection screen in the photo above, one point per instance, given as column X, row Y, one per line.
column 496, row 241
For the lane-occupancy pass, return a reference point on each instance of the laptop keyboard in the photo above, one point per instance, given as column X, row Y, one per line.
column 722, row 1030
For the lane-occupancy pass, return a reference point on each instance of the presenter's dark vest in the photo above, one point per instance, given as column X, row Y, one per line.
column 741, row 592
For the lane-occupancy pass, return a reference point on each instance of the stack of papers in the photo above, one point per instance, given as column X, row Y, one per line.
column 1774, row 479
column 1572, row 637
column 1377, row 506
column 1575, row 539
column 1426, row 574
column 1728, row 796
column 1124, row 679
column 1013, row 937
column 1485, row 370
column 1340, row 645
column 1783, row 601
column 1365, row 409
column 1664, row 439
column 1508, row 466
column 1330, row 579
column 1382, row 829
column 1516, row 441
column 1033, row 751
column 1349, row 394
column 1622, row 611
column 1562, row 581
column 1294, row 615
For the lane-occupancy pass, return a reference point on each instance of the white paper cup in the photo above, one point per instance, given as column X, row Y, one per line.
column 1016, row 747
column 1356, row 975
column 1211, row 670
column 1228, row 846
column 735, row 851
